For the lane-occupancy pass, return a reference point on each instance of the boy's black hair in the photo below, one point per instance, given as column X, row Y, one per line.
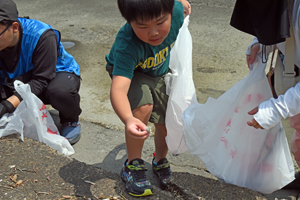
column 133, row 10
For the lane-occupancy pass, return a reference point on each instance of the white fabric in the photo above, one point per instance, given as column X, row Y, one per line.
column 287, row 105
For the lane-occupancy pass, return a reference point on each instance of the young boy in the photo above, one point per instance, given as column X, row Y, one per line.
column 137, row 63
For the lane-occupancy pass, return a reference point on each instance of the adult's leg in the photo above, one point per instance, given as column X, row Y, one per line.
column 62, row 94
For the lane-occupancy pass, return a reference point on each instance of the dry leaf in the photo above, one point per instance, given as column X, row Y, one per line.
column 18, row 183
column 13, row 177
column 67, row 196
column 89, row 182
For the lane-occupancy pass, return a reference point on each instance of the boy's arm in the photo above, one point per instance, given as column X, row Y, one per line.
column 186, row 6
column 119, row 100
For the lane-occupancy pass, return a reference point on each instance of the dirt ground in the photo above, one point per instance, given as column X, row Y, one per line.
column 32, row 170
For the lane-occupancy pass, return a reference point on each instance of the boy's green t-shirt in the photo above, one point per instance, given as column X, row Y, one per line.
column 129, row 53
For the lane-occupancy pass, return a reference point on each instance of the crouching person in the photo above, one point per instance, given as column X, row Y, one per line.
column 31, row 51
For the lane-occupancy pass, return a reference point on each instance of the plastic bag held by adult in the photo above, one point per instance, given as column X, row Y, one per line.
column 32, row 119
column 180, row 88
column 217, row 132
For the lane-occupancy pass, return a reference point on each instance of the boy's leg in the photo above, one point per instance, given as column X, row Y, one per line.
column 161, row 148
column 135, row 146
column 160, row 164
column 133, row 172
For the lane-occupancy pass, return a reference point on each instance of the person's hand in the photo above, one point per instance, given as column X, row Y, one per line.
column 254, row 50
column 3, row 110
column 253, row 122
column 186, row 7
column 136, row 129
column 6, row 107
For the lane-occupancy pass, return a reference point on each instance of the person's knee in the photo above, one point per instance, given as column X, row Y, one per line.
column 64, row 98
column 143, row 112
column 59, row 93
column 62, row 89
column 144, row 109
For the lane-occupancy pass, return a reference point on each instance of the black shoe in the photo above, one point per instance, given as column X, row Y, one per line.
column 134, row 175
column 295, row 184
column 163, row 171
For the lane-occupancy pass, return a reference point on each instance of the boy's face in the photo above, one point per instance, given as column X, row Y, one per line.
column 152, row 31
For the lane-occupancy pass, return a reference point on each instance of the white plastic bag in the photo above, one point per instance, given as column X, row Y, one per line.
column 180, row 88
column 217, row 132
column 32, row 119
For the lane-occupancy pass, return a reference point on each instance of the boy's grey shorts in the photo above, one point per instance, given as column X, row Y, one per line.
column 149, row 90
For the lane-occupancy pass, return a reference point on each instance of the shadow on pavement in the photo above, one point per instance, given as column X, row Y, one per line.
column 112, row 157
column 89, row 181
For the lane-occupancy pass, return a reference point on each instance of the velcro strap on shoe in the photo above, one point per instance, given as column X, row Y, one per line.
column 137, row 167
column 161, row 166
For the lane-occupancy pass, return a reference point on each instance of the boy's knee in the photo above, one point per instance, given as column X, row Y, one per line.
column 147, row 108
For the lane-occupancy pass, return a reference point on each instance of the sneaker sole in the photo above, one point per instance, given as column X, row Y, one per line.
column 147, row 192
column 162, row 186
column 75, row 140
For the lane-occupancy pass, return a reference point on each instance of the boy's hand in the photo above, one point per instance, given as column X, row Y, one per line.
column 254, row 50
column 186, row 7
column 253, row 122
column 136, row 129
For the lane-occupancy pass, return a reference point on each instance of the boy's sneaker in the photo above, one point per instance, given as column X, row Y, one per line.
column 163, row 171
column 134, row 175
column 71, row 131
